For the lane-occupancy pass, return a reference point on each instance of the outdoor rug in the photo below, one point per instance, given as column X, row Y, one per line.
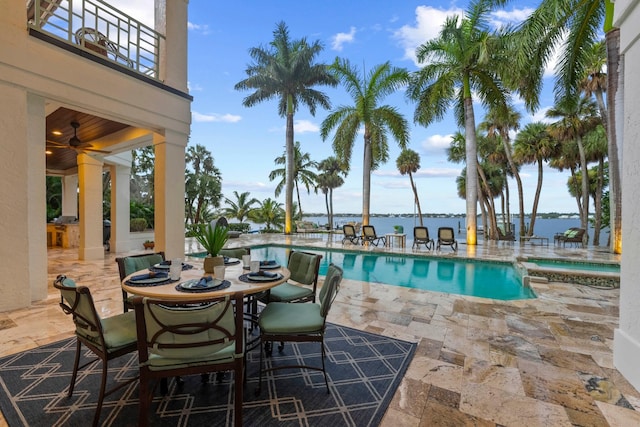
column 364, row 371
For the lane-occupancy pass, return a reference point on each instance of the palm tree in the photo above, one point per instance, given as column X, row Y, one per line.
column 464, row 57
column 577, row 116
column 533, row 144
column 408, row 162
column 203, row 184
column 577, row 26
column 329, row 178
column 286, row 70
column 241, row 208
column 270, row 213
column 498, row 122
column 302, row 165
column 378, row 120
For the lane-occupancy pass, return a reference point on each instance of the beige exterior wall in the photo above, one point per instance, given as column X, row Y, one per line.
column 627, row 337
column 35, row 79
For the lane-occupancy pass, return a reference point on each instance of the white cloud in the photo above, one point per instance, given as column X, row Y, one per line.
column 437, row 143
column 303, row 126
column 194, row 87
column 205, row 118
column 203, row 29
column 540, row 116
column 341, row 38
column 515, row 16
column 428, row 24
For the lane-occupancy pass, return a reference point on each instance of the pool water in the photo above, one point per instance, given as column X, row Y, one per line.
column 572, row 265
column 455, row 276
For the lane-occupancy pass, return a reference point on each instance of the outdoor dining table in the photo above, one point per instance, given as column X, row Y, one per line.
column 233, row 272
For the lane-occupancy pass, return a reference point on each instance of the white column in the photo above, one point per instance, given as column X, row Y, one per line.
column 22, row 199
column 120, row 208
column 90, row 180
column 170, row 20
column 169, row 194
column 70, row 196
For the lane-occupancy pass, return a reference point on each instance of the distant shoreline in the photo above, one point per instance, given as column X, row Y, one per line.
column 548, row 215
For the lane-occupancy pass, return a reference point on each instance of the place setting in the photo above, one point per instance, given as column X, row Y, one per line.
column 209, row 283
column 165, row 266
column 257, row 271
column 152, row 278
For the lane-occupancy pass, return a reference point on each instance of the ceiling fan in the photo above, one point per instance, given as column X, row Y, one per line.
column 74, row 142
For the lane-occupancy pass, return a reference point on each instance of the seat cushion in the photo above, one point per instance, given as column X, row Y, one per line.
column 224, row 355
column 288, row 292
column 287, row 318
column 119, row 331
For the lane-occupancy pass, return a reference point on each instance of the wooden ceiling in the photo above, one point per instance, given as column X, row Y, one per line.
column 91, row 128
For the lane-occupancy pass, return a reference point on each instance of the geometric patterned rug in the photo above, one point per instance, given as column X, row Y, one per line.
column 364, row 371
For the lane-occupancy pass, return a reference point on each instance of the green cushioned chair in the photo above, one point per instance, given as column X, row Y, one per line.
column 280, row 321
column 130, row 264
column 304, row 267
column 189, row 337
column 107, row 338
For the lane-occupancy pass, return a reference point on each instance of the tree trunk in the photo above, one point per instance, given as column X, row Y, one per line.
column 576, row 191
column 298, row 195
column 597, row 203
column 584, row 218
column 415, row 195
column 472, row 165
column 326, row 202
column 536, row 198
column 288, row 226
column 516, row 175
column 366, row 178
column 615, row 79
column 331, row 208
column 493, row 231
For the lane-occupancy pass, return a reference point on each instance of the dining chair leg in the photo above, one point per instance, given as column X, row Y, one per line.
column 324, row 370
column 76, row 363
column 237, row 417
column 103, row 384
column 262, row 351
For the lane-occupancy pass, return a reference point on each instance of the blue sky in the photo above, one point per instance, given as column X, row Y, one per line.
column 245, row 141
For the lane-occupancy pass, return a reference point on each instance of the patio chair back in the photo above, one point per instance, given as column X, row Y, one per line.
column 130, row 264
column 421, row 237
column 447, row 237
column 369, row 235
column 350, row 235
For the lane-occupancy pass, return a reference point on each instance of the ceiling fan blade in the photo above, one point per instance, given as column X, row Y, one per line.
column 57, row 144
column 94, row 150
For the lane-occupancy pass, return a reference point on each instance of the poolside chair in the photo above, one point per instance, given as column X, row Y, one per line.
column 575, row 236
column 107, row 338
column 447, row 237
column 421, row 237
column 299, row 323
column 369, row 236
column 197, row 336
column 304, row 267
column 130, row 264
column 350, row 235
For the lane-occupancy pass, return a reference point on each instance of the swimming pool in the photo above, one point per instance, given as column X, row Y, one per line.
column 455, row 276
column 575, row 265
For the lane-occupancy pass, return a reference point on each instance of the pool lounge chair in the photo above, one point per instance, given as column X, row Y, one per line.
column 421, row 237
column 369, row 236
column 447, row 237
column 350, row 234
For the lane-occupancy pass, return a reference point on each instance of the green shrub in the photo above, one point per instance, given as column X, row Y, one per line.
column 138, row 224
column 242, row 227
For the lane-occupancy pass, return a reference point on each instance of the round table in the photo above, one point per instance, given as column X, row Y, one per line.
column 232, row 273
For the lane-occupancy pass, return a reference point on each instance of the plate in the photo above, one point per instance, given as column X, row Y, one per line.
column 161, row 266
column 256, row 277
column 156, row 279
column 231, row 261
column 193, row 284
column 269, row 265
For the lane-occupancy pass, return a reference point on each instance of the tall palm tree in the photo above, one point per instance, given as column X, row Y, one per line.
column 498, row 122
column 577, row 26
column 464, row 57
column 533, row 144
column 203, row 184
column 241, row 207
column 577, row 116
column 329, row 179
column 377, row 120
column 287, row 71
column 302, row 172
column 408, row 162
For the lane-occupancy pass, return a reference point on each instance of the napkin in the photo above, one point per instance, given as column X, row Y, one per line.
column 264, row 273
column 204, row 282
column 269, row 262
column 149, row 275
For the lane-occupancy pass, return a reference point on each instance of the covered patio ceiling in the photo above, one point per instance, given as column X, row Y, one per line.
column 60, row 131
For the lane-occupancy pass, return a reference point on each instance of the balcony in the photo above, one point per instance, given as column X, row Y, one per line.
column 100, row 32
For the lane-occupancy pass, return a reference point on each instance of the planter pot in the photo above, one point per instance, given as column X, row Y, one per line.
column 149, row 245
column 212, row 261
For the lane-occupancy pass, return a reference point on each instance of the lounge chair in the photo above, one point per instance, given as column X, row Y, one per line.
column 369, row 236
column 507, row 237
column 350, row 234
column 421, row 237
column 573, row 235
column 447, row 237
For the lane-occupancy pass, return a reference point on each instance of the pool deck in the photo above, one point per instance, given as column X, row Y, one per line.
column 480, row 362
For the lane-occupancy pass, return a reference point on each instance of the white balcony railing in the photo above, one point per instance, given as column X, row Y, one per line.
column 101, row 29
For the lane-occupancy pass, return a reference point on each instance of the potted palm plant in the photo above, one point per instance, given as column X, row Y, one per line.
column 212, row 240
